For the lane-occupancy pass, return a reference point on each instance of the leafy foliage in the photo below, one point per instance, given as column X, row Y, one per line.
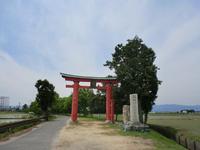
column 88, row 103
column 46, row 95
column 34, row 107
column 85, row 97
column 134, row 66
column 97, row 104
column 25, row 108
column 119, row 101
column 62, row 105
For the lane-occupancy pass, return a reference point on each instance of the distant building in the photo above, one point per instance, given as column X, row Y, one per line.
column 4, row 103
column 186, row 111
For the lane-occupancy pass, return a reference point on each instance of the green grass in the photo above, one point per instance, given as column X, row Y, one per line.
column 51, row 117
column 160, row 142
column 92, row 117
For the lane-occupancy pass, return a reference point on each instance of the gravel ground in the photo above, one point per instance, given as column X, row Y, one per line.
column 94, row 135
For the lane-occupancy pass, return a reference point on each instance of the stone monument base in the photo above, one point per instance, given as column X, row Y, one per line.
column 135, row 126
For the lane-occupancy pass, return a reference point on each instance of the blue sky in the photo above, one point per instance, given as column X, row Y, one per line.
column 40, row 38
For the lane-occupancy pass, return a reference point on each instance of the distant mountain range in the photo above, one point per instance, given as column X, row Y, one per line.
column 174, row 107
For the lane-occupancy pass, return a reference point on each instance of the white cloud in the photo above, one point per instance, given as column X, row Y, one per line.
column 179, row 62
column 16, row 81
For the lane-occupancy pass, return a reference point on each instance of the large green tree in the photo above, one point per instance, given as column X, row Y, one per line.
column 45, row 96
column 134, row 66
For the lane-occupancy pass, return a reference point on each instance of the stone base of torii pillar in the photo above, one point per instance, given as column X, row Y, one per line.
column 131, row 116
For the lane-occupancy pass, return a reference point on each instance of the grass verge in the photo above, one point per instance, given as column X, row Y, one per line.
column 51, row 117
column 161, row 142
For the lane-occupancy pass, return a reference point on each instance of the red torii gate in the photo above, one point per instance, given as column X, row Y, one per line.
column 107, row 83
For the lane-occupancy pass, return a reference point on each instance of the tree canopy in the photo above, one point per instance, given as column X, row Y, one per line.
column 85, row 97
column 46, row 95
column 134, row 66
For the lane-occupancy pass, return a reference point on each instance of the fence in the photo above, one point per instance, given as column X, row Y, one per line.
column 11, row 126
column 180, row 139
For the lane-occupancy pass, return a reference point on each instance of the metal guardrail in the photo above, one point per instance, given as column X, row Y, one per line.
column 10, row 126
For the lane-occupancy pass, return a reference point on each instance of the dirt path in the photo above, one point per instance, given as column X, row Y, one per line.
column 95, row 135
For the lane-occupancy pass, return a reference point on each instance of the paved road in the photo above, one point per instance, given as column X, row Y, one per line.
column 41, row 138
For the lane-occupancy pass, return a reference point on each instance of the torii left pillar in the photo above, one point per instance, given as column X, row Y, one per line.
column 75, row 101
column 109, row 103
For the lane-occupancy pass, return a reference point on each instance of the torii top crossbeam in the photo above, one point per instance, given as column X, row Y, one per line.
column 71, row 77
column 108, row 82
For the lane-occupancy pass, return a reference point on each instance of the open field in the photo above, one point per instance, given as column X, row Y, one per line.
column 7, row 117
column 186, row 124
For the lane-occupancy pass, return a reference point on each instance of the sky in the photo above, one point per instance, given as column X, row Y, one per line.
column 41, row 38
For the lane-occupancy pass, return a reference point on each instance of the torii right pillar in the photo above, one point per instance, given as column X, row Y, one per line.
column 109, row 103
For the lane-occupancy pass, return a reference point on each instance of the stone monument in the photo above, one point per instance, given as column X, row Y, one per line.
column 126, row 113
column 134, row 123
column 134, row 113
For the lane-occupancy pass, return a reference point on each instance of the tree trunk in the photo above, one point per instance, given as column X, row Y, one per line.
column 145, row 118
column 140, row 111
column 46, row 115
column 116, row 115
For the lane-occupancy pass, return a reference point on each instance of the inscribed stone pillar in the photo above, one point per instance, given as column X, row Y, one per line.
column 126, row 113
column 134, row 112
